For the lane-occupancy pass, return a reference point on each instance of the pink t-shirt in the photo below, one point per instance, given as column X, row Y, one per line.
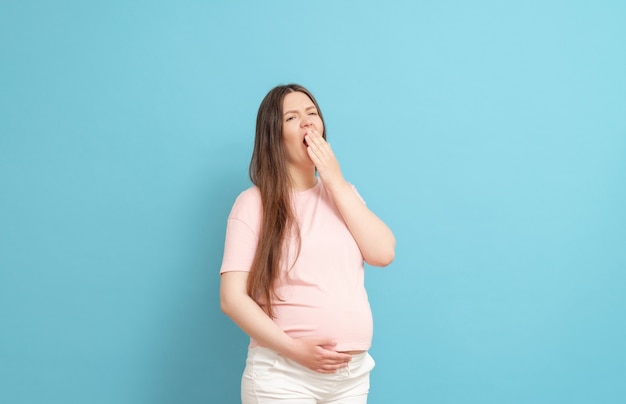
column 323, row 293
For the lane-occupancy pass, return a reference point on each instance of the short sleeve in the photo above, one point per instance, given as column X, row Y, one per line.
column 242, row 233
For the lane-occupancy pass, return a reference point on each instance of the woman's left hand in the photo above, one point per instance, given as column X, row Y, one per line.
column 374, row 238
column 324, row 159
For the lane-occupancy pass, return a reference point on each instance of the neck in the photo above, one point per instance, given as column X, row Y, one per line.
column 303, row 179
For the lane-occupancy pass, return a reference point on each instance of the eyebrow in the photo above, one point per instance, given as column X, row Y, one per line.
column 293, row 111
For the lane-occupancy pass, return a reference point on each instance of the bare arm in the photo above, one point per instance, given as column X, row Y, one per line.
column 374, row 238
column 314, row 353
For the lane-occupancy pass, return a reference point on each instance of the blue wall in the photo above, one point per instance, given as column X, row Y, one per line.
column 490, row 135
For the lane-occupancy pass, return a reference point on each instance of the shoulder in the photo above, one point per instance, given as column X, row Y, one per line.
column 247, row 205
column 251, row 195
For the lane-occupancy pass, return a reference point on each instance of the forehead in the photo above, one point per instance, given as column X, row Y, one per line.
column 296, row 100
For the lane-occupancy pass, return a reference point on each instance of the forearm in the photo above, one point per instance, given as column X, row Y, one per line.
column 374, row 238
column 372, row 235
column 247, row 314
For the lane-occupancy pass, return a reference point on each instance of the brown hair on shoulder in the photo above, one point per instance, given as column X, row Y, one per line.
column 268, row 171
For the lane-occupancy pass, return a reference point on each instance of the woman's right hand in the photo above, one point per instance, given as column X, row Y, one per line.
column 317, row 354
column 314, row 353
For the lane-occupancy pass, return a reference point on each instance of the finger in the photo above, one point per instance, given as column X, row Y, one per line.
column 312, row 140
column 344, row 357
column 315, row 133
column 336, row 358
column 324, row 342
column 320, row 150
column 338, row 366
column 316, row 137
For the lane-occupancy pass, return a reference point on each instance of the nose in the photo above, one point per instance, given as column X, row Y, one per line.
column 306, row 121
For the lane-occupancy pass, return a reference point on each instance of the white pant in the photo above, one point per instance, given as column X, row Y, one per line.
column 270, row 378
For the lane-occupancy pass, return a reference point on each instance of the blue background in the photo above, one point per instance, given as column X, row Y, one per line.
column 489, row 135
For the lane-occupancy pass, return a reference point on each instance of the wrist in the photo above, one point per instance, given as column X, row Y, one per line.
column 338, row 186
column 288, row 347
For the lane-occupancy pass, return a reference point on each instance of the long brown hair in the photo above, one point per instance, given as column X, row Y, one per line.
column 268, row 171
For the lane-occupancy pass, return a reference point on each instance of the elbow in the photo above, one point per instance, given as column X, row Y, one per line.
column 227, row 304
column 385, row 252
column 231, row 303
column 382, row 259
column 387, row 259
column 224, row 306
column 232, row 292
